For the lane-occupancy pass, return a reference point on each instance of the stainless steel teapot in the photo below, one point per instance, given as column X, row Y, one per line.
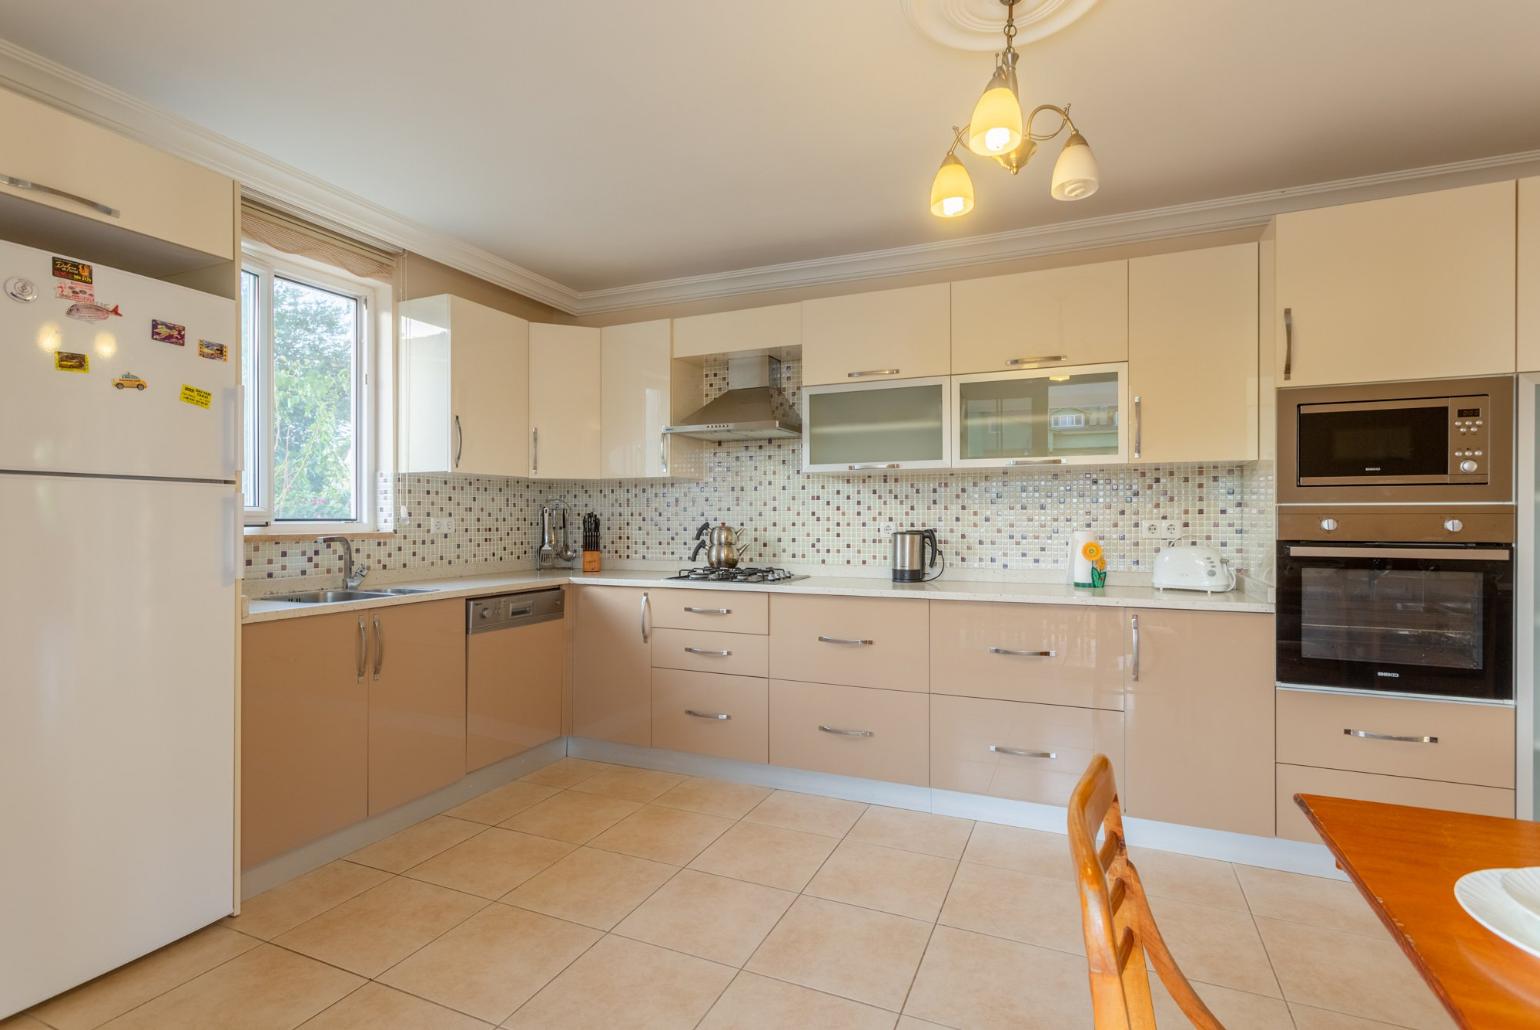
column 720, row 542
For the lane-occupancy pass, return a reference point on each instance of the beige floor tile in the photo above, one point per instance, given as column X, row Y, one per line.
column 910, row 1023
column 754, row 1002
column 1004, row 903
column 807, row 812
column 1187, row 878
column 286, row 906
column 595, row 888
column 630, row 784
column 1027, row 851
column 712, row 917
column 1315, row 900
column 242, row 995
column 418, row 843
column 379, row 928
column 501, row 803
column 92, row 1004
column 492, row 863
column 377, row 1007
column 855, row 953
column 901, row 882
column 1350, row 973
column 1307, row 1018
column 1236, row 1010
column 566, row 772
column 572, row 816
column 669, row 835
column 714, row 797
column 1216, row 945
column 944, row 836
column 766, row 854
column 625, row 983
column 23, row 1021
column 969, row 980
column 493, row 962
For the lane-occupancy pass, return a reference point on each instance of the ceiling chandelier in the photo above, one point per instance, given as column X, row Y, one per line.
column 998, row 129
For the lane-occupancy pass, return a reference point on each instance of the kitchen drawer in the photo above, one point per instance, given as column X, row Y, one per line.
column 737, row 654
column 1475, row 742
column 1054, row 654
column 1395, row 790
column 885, row 735
column 856, row 641
column 688, row 710
column 728, row 611
column 974, row 745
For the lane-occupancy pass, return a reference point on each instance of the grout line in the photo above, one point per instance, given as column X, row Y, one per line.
column 956, row 866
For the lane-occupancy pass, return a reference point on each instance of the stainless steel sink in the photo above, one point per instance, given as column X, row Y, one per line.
column 330, row 596
column 398, row 591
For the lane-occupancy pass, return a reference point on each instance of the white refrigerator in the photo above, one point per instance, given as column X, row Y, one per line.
column 120, row 520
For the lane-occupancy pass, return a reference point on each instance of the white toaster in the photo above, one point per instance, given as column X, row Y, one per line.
column 1192, row 568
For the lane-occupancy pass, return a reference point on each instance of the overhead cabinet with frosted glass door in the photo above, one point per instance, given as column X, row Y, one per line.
column 1054, row 316
column 464, row 369
column 565, row 421
column 1048, row 416
column 876, row 427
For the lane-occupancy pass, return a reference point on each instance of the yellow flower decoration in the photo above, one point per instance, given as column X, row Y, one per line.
column 1091, row 551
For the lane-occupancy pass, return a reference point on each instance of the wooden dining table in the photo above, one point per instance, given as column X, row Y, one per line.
column 1405, row 862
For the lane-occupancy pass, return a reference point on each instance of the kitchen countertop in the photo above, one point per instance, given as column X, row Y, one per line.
column 1006, row 591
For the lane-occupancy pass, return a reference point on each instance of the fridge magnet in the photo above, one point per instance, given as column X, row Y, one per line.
column 19, row 289
column 168, row 332
column 90, row 311
column 213, row 351
column 69, row 361
column 78, row 271
column 196, row 397
column 129, row 381
column 79, row 293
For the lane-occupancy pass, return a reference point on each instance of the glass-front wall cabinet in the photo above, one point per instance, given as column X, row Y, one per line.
column 895, row 424
column 1051, row 416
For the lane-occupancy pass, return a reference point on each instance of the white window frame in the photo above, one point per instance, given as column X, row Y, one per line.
column 266, row 264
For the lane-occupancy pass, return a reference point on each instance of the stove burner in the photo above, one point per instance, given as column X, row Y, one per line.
column 742, row 574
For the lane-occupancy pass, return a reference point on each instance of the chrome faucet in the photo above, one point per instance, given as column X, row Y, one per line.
column 352, row 573
column 556, row 550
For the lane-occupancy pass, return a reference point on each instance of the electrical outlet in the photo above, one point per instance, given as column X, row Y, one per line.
column 1155, row 529
column 445, row 524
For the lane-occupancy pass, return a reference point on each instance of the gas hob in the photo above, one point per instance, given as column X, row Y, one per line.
column 761, row 574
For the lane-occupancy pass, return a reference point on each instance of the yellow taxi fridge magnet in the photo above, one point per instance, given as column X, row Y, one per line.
column 69, row 361
column 196, row 397
column 129, row 381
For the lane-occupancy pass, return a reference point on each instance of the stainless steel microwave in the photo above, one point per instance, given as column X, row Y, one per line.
column 1447, row 441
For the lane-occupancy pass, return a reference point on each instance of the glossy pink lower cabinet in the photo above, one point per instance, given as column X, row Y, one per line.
column 612, row 665
column 1053, row 654
column 1024, row 752
column 857, row 641
column 707, row 713
column 850, row 731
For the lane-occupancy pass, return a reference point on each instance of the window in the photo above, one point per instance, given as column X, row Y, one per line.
column 305, row 366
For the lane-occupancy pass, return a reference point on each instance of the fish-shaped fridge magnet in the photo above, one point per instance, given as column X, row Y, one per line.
column 90, row 311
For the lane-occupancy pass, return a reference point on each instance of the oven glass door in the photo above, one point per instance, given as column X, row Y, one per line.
column 1421, row 620
column 1374, row 443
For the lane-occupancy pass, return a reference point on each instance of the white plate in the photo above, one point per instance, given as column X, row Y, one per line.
column 1481, row 894
column 1523, row 886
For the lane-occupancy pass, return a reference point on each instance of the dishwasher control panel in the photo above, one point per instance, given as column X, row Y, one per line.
column 507, row 611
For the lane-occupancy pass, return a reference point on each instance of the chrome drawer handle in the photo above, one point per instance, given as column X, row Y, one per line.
column 872, row 372
column 846, row 643
column 709, row 654
column 38, row 187
column 1021, row 654
column 1001, row 749
column 866, row 466
column 1371, row 735
column 708, row 611
column 718, row 716
column 1036, row 461
column 844, row 733
column 1040, row 359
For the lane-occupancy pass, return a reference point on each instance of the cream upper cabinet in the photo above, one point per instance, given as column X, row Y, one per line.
column 1414, row 287
column 642, row 390
column 1192, row 355
column 565, row 432
column 95, row 173
column 772, row 328
column 1057, row 316
column 1529, row 275
column 889, row 334
column 465, row 398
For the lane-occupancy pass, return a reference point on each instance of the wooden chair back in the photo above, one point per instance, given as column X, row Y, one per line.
column 1115, row 915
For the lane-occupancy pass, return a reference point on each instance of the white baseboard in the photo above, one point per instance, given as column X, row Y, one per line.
column 1245, row 849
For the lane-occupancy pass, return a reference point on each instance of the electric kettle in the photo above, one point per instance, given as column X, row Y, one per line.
column 909, row 550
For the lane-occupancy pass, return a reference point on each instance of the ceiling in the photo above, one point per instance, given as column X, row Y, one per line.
column 603, row 145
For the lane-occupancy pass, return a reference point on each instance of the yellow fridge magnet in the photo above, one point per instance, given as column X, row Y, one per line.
column 196, row 397
column 213, row 351
column 129, row 381
column 69, row 361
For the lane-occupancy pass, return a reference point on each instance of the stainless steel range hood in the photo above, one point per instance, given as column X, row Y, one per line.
column 755, row 407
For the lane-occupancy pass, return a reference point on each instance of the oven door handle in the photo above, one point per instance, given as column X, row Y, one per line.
column 1441, row 553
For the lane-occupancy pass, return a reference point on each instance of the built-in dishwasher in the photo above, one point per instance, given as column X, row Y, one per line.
column 514, row 653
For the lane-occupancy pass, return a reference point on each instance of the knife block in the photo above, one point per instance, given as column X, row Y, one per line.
column 591, row 561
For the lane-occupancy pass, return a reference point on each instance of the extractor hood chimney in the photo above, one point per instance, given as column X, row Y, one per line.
column 755, row 407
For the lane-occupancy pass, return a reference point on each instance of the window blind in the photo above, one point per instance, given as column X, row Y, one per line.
column 293, row 234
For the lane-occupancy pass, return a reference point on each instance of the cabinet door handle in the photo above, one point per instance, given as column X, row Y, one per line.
column 1138, row 426
column 379, row 647
column 708, row 611
column 872, row 372
column 1001, row 749
column 1288, row 344
column 708, row 654
column 718, row 716
column 646, row 608
column 844, row 733
column 872, row 465
column 1021, row 654
column 1036, row 461
column 38, row 187
column 846, row 643
column 1371, row 735
column 663, row 452
column 459, row 441
column 363, row 648
column 1039, row 359
column 1133, row 622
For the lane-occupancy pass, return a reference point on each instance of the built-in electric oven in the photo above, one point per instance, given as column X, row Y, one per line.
column 1417, row 603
